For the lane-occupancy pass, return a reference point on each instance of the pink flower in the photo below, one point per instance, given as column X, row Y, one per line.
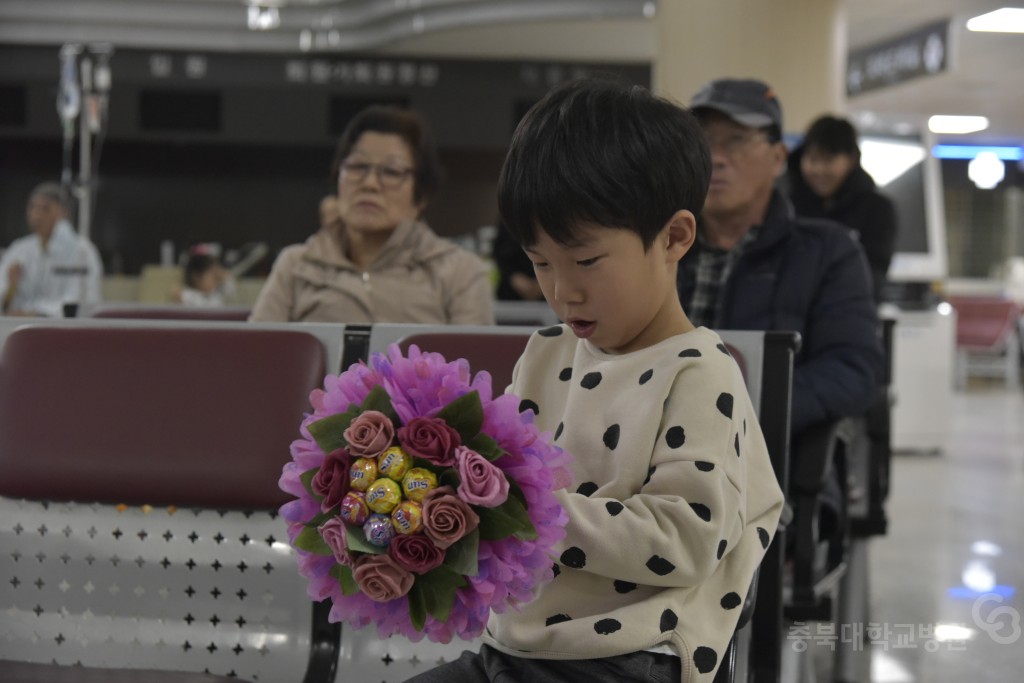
column 446, row 517
column 430, row 438
column 335, row 535
column 381, row 579
column 481, row 482
column 415, row 552
column 370, row 434
column 332, row 481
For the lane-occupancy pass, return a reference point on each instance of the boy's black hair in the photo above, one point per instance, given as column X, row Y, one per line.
column 602, row 152
column 832, row 135
column 407, row 125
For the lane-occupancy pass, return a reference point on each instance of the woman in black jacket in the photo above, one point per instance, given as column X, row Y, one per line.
column 826, row 180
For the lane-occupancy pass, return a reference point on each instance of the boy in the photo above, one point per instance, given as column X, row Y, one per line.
column 674, row 499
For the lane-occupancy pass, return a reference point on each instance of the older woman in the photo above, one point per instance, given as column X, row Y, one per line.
column 379, row 262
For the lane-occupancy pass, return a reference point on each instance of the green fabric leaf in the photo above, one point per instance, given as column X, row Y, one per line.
column 417, row 607
column 329, row 432
column 486, row 446
column 505, row 520
column 345, row 579
column 355, row 540
column 379, row 400
column 462, row 556
column 311, row 541
column 465, row 415
column 437, row 588
column 307, row 481
column 449, row 477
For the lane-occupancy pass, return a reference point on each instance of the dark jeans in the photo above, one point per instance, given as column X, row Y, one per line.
column 498, row 667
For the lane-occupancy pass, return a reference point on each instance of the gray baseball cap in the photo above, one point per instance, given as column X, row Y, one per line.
column 745, row 101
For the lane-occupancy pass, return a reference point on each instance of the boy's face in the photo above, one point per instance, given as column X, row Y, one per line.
column 609, row 290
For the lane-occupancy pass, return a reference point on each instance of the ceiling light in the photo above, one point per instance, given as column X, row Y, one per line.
column 986, row 171
column 957, row 125
column 263, row 18
column 1006, row 153
column 1005, row 20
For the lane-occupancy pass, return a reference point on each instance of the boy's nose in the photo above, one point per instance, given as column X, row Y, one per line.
column 567, row 291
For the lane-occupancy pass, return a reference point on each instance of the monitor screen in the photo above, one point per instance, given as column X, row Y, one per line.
column 907, row 173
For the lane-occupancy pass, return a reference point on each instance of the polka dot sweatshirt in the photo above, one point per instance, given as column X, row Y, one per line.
column 672, row 506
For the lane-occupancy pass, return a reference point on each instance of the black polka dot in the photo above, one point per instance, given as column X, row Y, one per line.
column 565, row 375
column 702, row 511
column 724, row 404
column 650, row 473
column 611, row 437
column 704, row 466
column 736, row 444
column 614, row 507
column 590, row 380
column 722, row 545
column 587, row 488
column 554, row 331
column 557, row 619
column 744, row 426
column 762, row 534
column 689, row 353
column 724, row 349
column 675, row 437
column 668, row 621
column 574, row 558
column 527, row 404
column 731, row 601
column 660, row 566
column 646, row 377
column 705, row 659
column 558, row 430
column 556, row 569
column 607, row 626
column 624, row 586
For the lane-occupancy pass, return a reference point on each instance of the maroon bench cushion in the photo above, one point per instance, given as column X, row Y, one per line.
column 159, row 416
column 983, row 322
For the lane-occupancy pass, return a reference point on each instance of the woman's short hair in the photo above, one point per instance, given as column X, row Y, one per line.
column 604, row 152
column 832, row 135
column 407, row 125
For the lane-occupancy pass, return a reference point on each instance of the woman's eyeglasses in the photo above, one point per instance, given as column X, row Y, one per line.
column 389, row 177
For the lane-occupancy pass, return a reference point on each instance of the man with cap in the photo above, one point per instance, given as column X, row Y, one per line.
column 42, row 272
column 756, row 266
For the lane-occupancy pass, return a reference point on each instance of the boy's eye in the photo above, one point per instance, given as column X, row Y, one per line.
column 539, row 264
column 588, row 261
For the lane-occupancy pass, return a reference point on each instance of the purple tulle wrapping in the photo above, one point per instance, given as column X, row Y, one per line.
column 509, row 570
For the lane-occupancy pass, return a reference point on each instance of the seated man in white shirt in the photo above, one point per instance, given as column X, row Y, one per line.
column 51, row 267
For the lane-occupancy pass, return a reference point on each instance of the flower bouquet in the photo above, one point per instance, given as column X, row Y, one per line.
column 422, row 503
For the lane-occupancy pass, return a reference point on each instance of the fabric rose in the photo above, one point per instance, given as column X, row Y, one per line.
column 481, row 482
column 370, row 434
column 415, row 552
column 381, row 579
column 335, row 535
column 430, row 438
column 446, row 517
column 332, row 481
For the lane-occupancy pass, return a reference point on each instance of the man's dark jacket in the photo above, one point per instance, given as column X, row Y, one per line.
column 809, row 276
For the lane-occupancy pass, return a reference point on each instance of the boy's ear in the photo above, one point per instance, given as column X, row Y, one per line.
column 679, row 234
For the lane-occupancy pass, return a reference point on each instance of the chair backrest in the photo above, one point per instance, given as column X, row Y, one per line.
column 138, row 487
column 984, row 322
column 166, row 312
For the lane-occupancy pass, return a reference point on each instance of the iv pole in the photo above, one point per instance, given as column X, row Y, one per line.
column 83, row 95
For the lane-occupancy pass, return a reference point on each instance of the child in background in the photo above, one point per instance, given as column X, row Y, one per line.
column 674, row 499
column 205, row 278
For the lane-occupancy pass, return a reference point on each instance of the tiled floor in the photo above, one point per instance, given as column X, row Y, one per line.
column 946, row 599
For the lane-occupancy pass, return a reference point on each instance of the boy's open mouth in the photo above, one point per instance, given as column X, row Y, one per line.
column 582, row 328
